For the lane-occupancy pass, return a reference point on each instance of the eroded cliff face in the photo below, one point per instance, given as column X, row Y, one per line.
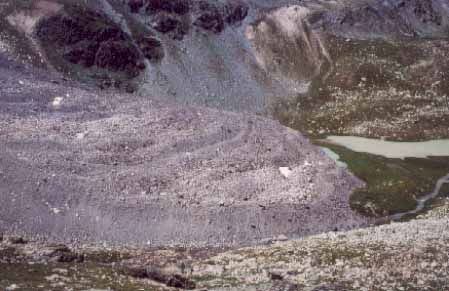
column 284, row 44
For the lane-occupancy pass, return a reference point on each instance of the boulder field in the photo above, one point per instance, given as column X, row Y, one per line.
column 79, row 165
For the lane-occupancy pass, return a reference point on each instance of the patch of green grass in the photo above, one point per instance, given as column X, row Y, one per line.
column 444, row 191
column 210, row 281
column 439, row 201
column 77, row 277
column 103, row 256
column 392, row 185
column 206, row 278
column 371, row 81
column 7, row 253
column 330, row 255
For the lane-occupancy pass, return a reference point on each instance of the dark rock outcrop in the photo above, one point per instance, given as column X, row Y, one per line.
column 78, row 25
column 90, row 39
column 214, row 16
column 424, row 11
column 150, row 7
column 169, row 23
column 171, row 280
column 151, row 48
column 209, row 17
column 180, row 7
column 60, row 253
column 118, row 56
column 136, row 5
column 235, row 12
column 61, row 30
column 169, row 16
column 166, row 23
column 17, row 240
column 84, row 53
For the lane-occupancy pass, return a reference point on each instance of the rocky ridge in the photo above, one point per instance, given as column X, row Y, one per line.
column 81, row 165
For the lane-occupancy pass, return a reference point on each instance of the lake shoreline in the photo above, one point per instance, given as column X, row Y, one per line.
column 406, row 180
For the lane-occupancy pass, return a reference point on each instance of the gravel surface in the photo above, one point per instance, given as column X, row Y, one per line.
column 86, row 166
column 400, row 256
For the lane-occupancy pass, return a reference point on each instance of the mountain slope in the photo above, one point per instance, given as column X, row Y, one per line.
column 82, row 165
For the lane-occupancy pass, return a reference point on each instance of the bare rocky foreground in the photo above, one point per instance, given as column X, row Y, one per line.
column 401, row 256
column 78, row 165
